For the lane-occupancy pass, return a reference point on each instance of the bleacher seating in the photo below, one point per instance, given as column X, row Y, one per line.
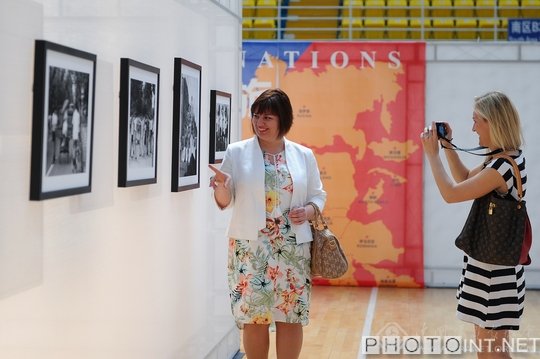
column 443, row 28
column 530, row 8
column 351, row 28
column 248, row 8
column 374, row 28
column 374, row 8
column 248, row 12
column 247, row 26
column 466, row 29
column 397, row 28
column 352, row 7
column 488, row 28
column 503, row 29
column 419, row 25
column 397, row 8
column 482, row 20
column 509, row 8
column 463, row 8
column 266, row 8
column 418, row 8
column 486, row 8
column 440, row 8
column 264, row 29
column 309, row 20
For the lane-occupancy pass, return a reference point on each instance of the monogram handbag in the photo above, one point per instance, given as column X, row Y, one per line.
column 327, row 257
column 498, row 230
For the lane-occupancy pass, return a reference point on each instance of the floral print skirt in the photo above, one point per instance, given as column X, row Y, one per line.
column 270, row 278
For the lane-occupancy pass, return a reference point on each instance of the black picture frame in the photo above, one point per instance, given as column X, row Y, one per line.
column 220, row 125
column 186, row 141
column 138, row 126
column 63, row 121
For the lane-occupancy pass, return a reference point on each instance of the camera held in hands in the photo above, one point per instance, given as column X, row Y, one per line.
column 441, row 130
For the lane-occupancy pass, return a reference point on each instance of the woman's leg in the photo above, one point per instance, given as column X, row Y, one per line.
column 492, row 343
column 256, row 341
column 289, row 337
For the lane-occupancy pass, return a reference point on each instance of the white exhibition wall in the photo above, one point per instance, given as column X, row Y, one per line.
column 456, row 73
column 138, row 273
column 120, row 272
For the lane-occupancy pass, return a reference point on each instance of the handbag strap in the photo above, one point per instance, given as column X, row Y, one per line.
column 517, row 173
column 318, row 216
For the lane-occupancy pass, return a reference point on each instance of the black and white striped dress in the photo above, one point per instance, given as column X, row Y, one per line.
column 491, row 296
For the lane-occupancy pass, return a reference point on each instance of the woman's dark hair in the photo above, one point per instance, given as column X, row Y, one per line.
column 275, row 102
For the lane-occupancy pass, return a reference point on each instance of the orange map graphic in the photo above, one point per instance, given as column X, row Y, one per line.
column 354, row 121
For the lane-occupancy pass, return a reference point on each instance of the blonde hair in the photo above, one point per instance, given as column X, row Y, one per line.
column 504, row 124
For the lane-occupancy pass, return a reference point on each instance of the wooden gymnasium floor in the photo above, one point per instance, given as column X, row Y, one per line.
column 340, row 316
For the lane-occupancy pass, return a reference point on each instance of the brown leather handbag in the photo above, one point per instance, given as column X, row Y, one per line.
column 498, row 230
column 327, row 258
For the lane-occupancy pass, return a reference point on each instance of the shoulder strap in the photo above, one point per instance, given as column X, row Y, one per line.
column 517, row 173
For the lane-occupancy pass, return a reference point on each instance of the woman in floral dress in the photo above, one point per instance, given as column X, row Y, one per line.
column 268, row 181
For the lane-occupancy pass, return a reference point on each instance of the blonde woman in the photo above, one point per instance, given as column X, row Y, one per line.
column 489, row 296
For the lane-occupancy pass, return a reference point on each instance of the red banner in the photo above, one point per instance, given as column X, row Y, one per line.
column 360, row 107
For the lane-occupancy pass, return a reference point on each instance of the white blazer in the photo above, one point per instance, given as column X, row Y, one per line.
column 245, row 163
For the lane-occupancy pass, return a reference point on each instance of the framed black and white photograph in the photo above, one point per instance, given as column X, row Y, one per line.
column 138, row 135
column 63, row 121
column 186, row 126
column 220, row 124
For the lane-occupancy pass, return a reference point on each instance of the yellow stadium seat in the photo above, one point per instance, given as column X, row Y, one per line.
column 530, row 8
column 350, row 29
column 306, row 28
column 268, row 8
column 374, row 28
column 509, row 8
column 503, row 30
column 486, row 8
column 466, row 29
column 308, row 22
column 247, row 25
column 397, row 28
column 464, row 8
column 443, row 28
column 441, row 8
column 264, row 29
column 415, row 26
column 488, row 29
column 374, row 8
column 415, row 8
column 352, row 8
column 248, row 8
column 396, row 8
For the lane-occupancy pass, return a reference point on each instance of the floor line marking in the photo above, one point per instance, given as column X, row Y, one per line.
column 369, row 319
